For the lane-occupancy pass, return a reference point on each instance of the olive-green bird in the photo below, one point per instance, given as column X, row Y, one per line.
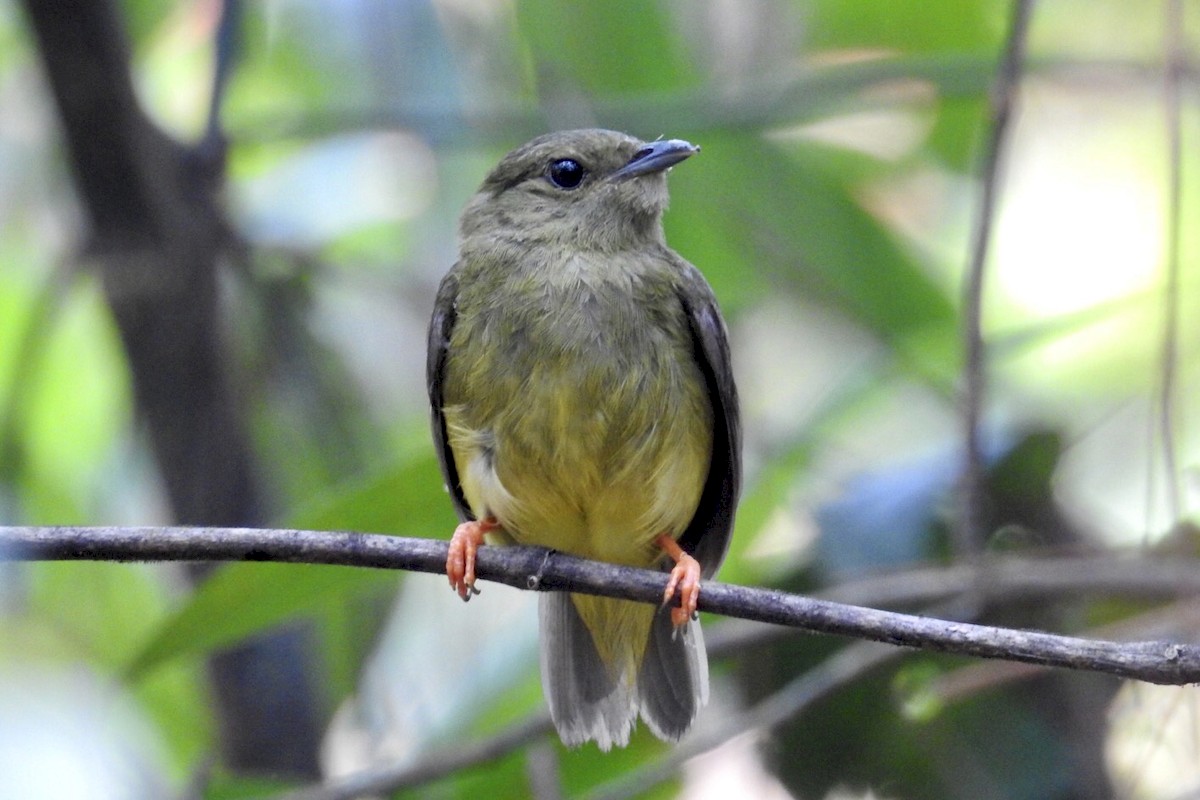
column 583, row 401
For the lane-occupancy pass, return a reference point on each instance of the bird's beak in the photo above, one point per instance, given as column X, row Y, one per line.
column 655, row 157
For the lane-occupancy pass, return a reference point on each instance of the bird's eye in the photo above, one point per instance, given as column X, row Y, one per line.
column 566, row 173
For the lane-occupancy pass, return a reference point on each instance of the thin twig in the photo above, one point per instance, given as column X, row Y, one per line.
column 1026, row 579
column 781, row 705
column 1175, row 61
column 1155, row 662
column 834, row 672
column 227, row 45
column 969, row 533
column 441, row 764
column 543, row 771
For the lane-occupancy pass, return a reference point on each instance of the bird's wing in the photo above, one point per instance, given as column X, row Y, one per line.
column 440, row 327
column 707, row 535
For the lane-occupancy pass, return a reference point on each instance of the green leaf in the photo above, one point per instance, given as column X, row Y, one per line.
column 914, row 685
column 242, row 599
column 223, row 785
column 411, row 500
column 788, row 225
column 617, row 46
column 99, row 614
column 773, row 485
column 103, row 609
column 246, row 598
column 587, row 768
column 73, row 405
column 910, row 26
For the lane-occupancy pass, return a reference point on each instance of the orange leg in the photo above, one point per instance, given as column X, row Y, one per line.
column 685, row 576
column 460, row 561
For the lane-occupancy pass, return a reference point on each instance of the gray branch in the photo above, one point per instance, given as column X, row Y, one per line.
column 1161, row 662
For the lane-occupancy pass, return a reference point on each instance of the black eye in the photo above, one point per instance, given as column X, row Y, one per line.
column 566, row 173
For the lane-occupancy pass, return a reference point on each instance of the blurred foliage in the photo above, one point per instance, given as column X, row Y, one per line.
column 830, row 209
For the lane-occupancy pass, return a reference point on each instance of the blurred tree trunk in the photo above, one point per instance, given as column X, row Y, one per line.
column 157, row 234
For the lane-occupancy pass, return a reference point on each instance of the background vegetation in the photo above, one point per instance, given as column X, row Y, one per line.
column 214, row 313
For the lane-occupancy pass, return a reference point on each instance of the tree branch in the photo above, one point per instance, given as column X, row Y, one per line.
column 969, row 529
column 533, row 568
column 156, row 233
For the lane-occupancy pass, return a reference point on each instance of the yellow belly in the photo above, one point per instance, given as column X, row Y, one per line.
column 597, row 480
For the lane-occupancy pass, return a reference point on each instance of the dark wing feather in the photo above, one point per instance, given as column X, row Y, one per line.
column 707, row 535
column 440, row 328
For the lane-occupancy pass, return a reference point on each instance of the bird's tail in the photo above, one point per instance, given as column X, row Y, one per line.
column 637, row 661
column 673, row 680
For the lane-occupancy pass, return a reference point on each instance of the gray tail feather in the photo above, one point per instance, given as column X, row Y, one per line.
column 673, row 684
column 587, row 702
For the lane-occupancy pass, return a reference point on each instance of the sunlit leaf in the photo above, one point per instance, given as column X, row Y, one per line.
column 909, row 26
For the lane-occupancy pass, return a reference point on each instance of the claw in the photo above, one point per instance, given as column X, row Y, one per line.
column 685, row 576
column 460, row 560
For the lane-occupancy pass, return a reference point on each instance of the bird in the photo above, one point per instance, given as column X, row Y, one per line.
column 582, row 400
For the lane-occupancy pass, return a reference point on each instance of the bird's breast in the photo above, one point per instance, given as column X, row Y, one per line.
column 579, row 416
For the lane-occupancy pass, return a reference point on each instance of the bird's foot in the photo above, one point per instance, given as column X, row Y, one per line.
column 460, row 561
column 685, row 576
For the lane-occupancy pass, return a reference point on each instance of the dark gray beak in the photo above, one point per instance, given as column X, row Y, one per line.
column 655, row 157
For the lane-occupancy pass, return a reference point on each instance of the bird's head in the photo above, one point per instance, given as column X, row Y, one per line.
column 588, row 189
